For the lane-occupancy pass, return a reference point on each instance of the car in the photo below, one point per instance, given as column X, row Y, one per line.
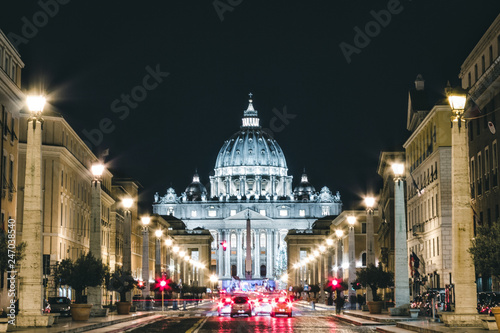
column 241, row 305
column 263, row 306
column 61, row 305
column 224, row 306
column 282, row 306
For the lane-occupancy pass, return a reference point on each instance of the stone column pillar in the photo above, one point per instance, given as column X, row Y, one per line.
column 370, row 254
column 269, row 251
column 220, row 261
column 127, row 246
column 352, row 264
column 227, row 266
column 243, row 180
column 94, row 296
column 228, row 186
column 145, row 261
column 258, row 186
column 158, row 258
column 273, row 185
column 257, row 254
column 401, row 286
column 239, row 253
column 31, row 293
column 463, row 271
column 213, row 189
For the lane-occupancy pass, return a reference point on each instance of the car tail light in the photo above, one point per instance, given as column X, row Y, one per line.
column 228, row 300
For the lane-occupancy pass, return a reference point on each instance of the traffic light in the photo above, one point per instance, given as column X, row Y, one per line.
column 162, row 284
column 224, row 245
column 140, row 284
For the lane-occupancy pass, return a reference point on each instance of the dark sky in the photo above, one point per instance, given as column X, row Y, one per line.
column 286, row 53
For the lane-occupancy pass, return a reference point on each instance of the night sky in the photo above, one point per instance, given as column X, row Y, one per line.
column 87, row 54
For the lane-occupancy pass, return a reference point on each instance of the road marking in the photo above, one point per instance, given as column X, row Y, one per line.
column 197, row 326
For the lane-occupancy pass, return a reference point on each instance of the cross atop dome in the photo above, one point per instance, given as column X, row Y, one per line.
column 250, row 115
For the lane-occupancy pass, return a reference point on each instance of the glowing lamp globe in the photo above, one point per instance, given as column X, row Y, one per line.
column 398, row 169
column 127, row 202
column 145, row 220
column 370, row 202
column 158, row 233
column 97, row 169
column 351, row 220
column 35, row 103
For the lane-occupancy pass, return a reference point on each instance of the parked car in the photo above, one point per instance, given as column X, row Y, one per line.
column 60, row 305
column 282, row 306
column 241, row 305
column 224, row 306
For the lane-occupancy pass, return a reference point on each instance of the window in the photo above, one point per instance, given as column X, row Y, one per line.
column 12, row 133
column 233, row 241
column 263, row 240
column 325, row 210
column 7, row 64
column 262, row 212
column 437, row 245
column 11, row 176
column 475, row 73
column 193, row 213
column 5, row 128
column 1, row 55
column 212, row 213
column 302, row 212
column 469, row 80
column 363, row 259
column 233, row 212
column 283, row 212
column 491, row 54
column 363, row 228
column 483, row 65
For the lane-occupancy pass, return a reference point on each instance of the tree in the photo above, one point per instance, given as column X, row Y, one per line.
column 485, row 250
column 86, row 271
column 4, row 258
column 374, row 277
column 122, row 282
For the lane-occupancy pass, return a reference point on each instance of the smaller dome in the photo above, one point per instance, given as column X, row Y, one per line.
column 196, row 191
column 304, row 190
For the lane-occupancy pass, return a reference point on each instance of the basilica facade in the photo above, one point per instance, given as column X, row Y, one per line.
column 250, row 182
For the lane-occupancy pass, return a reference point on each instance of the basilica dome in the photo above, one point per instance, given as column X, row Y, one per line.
column 251, row 146
column 196, row 191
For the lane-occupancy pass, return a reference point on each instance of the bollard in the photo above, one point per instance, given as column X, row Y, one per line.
column 312, row 305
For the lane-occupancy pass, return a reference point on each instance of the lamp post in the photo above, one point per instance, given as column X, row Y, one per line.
column 158, row 234
column 463, row 272
column 351, row 220
column 127, row 234
column 31, row 290
column 370, row 254
column 145, row 220
column 401, row 286
column 95, row 240
column 339, row 233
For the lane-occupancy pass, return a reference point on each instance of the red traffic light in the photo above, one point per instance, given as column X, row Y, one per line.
column 335, row 282
column 162, row 284
column 224, row 245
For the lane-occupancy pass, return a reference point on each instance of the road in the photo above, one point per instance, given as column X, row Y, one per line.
column 204, row 319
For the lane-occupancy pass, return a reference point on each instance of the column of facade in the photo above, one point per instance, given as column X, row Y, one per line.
column 273, row 185
column 228, row 185
column 243, row 180
column 370, row 255
column 227, row 272
column 220, row 261
column 269, row 251
column 276, row 250
column 239, row 259
column 257, row 254
column 258, row 185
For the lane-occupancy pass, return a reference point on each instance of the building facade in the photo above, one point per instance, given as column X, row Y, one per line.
column 428, row 194
column 11, row 102
column 480, row 74
column 250, row 181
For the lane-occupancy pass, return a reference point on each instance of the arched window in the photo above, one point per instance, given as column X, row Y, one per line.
column 263, row 270
column 233, row 270
column 363, row 259
column 233, row 241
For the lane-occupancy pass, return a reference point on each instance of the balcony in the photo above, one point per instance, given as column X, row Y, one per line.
column 485, row 80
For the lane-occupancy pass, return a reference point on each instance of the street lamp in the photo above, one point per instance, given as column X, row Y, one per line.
column 31, row 290
column 127, row 203
column 401, row 287
column 463, row 272
column 95, row 239
column 370, row 253
column 145, row 220
column 158, row 234
column 351, row 220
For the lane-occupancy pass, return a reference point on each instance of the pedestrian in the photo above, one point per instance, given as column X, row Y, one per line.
column 339, row 303
column 3, row 314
